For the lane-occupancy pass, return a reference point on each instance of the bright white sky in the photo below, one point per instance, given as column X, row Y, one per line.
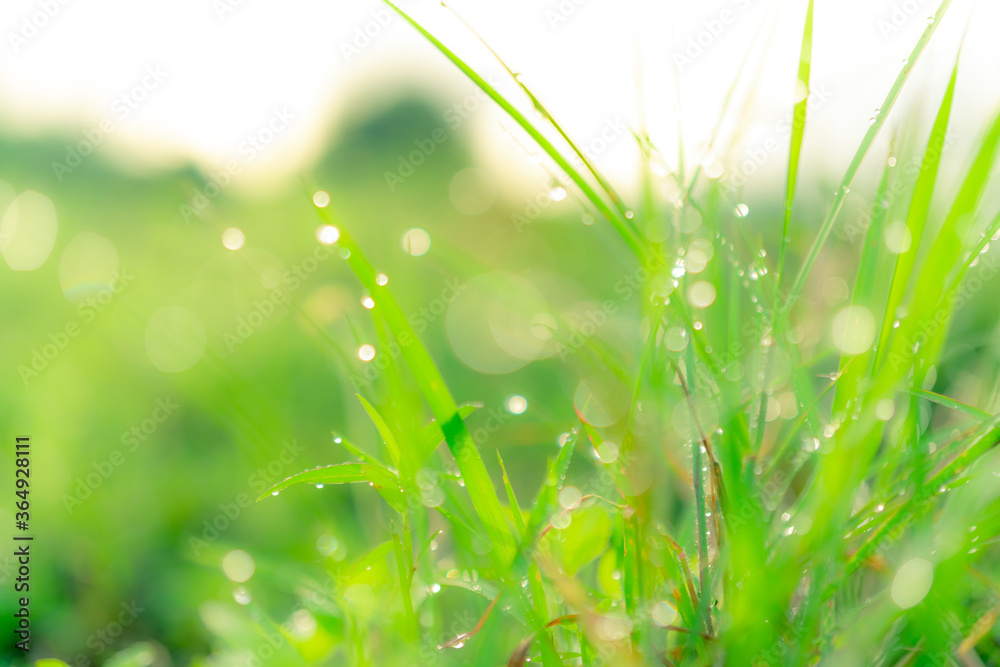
column 228, row 64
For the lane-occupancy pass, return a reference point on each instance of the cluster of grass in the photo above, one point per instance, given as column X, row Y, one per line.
column 858, row 528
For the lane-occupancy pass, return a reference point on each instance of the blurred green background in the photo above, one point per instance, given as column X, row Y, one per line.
column 177, row 346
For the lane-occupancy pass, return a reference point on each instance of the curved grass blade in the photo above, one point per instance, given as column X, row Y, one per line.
column 359, row 453
column 382, row 479
column 619, row 222
column 537, row 104
column 947, row 402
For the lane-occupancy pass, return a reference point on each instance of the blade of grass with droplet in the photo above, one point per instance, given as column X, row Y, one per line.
column 858, row 444
column 524, row 565
column 916, row 217
column 359, row 453
column 545, row 500
column 948, row 402
column 619, row 222
column 974, row 447
column 798, row 130
column 443, row 406
column 540, row 108
column 838, row 202
column 937, row 296
column 930, row 314
column 855, row 367
column 382, row 479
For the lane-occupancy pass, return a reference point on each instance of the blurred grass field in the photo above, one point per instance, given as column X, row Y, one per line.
column 399, row 414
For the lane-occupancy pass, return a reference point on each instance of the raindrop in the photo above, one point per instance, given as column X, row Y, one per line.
column 328, row 235
column 607, row 451
column 233, row 238
column 321, row 198
column 416, row 242
column 516, row 404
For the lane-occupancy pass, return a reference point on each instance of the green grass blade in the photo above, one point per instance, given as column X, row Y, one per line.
column 798, row 130
column 432, row 385
column 920, row 206
column 838, row 202
column 385, row 432
column 359, row 453
column 405, row 580
column 947, row 402
column 382, row 479
column 515, row 508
